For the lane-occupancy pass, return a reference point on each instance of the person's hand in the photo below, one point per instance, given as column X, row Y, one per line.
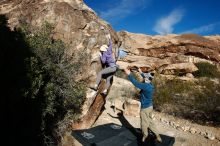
column 139, row 70
column 108, row 36
column 127, row 71
column 100, row 54
column 102, row 28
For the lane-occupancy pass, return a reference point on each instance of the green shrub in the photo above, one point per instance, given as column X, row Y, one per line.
column 208, row 98
column 207, row 70
column 197, row 101
column 166, row 90
column 51, row 73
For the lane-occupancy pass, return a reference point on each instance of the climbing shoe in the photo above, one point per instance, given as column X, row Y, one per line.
column 104, row 92
column 144, row 138
column 158, row 138
column 91, row 93
column 95, row 87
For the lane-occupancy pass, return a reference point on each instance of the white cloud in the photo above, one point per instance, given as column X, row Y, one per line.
column 165, row 25
column 123, row 9
column 203, row 29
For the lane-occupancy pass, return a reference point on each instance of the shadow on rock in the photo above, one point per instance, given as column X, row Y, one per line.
column 21, row 116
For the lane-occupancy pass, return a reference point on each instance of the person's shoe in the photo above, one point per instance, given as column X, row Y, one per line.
column 144, row 138
column 104, row 92
column 95, row 87
column 93, row 94
column 158, row 138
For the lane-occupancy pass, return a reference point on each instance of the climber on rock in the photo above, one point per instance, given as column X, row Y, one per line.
column 146, row 99
column 108, row 61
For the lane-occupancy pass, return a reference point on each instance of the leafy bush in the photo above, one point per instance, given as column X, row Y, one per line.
column 207, row 70
column 38, row 86
column 198, row 100
column 19, row 114
column 166, row 90
column 209, row 95
column 51, row 74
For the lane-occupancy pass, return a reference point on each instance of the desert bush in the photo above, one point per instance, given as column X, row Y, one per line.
column 166, row 90
column 207, row 102
column 18, row 113
column 197, row 101
column 207, row 70
column 51, row 73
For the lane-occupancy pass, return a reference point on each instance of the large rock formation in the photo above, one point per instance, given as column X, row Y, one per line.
column 76, row 24
column 80, row 27
column 155, row 52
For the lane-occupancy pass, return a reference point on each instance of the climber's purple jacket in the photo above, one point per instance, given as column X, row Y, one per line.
column 146, row 93
column 107, row 56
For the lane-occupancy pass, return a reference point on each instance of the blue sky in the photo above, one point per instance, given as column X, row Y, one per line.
column 154, row 17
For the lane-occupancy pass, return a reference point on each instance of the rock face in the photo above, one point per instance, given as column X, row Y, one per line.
column 80, row 27
column 132, row 108
column 157, row 52
column 179, row 68
column 121, row 87
column 75, row 23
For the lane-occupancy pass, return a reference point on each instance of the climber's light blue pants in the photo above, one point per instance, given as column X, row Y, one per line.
column 109, row 71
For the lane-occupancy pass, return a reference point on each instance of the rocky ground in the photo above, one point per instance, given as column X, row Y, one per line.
column 184, row 132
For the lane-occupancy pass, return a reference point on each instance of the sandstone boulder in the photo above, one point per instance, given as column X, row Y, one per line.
column 180, row 68
column 120, row 90
column 165, row 46
column 74, row 23
column 132, row 108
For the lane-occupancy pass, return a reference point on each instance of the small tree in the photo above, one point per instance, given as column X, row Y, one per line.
column 51, row 74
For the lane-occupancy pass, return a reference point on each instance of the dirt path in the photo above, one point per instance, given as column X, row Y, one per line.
column 182, row 138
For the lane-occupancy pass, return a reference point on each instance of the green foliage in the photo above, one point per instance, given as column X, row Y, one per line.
column 206, row 102
column 209, row 95
column 166, row 90
column 195, row 100
column 19, row 114
column 35, row 75
column 207, row 70
column 51, row 73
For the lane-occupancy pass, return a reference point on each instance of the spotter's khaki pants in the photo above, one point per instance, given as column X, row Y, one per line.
column 147, row 122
